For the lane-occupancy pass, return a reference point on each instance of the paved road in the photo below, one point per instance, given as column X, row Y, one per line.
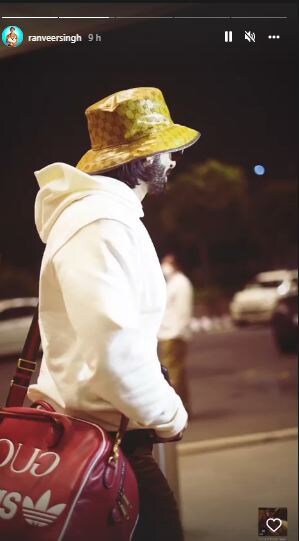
column 221, row 491
column 239, row 384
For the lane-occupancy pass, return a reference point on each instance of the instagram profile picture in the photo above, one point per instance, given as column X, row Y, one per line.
column 12, row 36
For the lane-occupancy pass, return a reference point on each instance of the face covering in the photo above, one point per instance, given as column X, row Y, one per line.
column 167, row 270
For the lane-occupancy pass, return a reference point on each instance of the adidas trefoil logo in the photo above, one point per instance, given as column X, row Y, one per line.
column 40, row 514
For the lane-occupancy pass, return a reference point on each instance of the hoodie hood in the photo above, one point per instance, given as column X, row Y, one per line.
column 61, row 185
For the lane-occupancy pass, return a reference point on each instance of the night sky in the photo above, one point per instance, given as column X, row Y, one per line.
column 240, row 96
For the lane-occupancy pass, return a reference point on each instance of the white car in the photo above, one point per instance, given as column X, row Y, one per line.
column 15, row 318
column 257, row 301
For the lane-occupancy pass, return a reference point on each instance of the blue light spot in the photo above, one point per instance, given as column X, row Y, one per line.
column 259, row 169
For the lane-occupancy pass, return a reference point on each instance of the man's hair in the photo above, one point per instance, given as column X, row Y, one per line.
column 12, row 28
column 130, row 173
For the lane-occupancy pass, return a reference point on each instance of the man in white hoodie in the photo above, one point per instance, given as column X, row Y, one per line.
column 102, row 292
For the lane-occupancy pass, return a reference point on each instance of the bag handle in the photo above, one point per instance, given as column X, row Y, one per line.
column 27, row 364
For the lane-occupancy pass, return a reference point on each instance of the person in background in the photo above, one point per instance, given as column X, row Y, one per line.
column 175, row 330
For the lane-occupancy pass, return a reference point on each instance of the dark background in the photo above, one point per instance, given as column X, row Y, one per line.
column 240, row 96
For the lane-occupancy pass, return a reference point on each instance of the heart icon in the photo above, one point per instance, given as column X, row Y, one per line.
column 274, row 524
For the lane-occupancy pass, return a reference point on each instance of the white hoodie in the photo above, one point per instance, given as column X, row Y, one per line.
column 101, row 302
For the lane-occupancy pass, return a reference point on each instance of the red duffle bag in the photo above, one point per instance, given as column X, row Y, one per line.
column 61, row 478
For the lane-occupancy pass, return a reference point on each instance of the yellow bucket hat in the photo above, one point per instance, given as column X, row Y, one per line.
column 131, row 124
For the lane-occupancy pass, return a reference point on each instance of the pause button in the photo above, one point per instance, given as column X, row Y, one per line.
column 228, row 35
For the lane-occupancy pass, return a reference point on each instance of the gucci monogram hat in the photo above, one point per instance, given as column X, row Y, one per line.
column 131, row 124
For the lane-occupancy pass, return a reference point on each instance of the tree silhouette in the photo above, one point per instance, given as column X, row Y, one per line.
column 206, row 206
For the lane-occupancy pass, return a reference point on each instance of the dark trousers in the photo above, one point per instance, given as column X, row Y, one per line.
column 159, row 516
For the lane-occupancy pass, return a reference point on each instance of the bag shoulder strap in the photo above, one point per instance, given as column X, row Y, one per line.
column 26, row 365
